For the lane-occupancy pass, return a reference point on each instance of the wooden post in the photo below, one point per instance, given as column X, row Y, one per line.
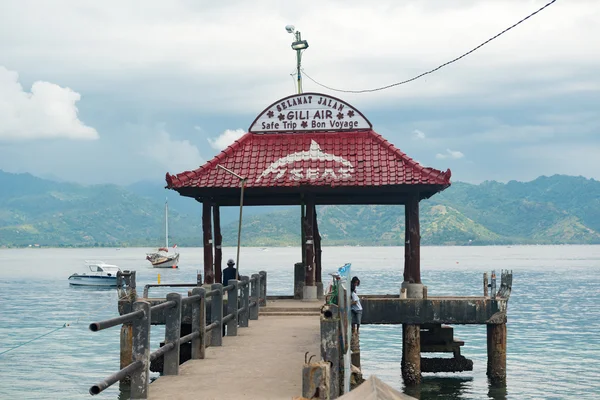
column 218, row 243
column 317, row 249
column 172, row 335
column 126, row 347
column 496, row 346
column 209, row 275
column 412, row 241
column 485, row 285
column 302, row 231
column 309, row 277
column 199, row 324
column 411, row 354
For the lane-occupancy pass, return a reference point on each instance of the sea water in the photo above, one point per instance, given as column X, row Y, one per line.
column 553, row 316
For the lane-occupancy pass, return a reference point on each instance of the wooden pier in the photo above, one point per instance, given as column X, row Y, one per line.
column 263, row 362
column 307, row 165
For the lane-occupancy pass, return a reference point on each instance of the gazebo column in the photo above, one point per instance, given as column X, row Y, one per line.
column 209, row 275
column 411, row 334
column 318, row 251
column 309, row 292
column 218, row 243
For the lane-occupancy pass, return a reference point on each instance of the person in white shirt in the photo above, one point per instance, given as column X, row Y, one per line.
column 355, row 306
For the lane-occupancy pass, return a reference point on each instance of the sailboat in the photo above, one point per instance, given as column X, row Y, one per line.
column 162, row 258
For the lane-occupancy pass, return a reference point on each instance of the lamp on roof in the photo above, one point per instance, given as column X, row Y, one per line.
column 297, row 46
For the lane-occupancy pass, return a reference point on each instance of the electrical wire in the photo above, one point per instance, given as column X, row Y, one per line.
column 438, row 67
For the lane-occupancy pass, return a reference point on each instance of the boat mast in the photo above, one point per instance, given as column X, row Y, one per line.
column 166, row 224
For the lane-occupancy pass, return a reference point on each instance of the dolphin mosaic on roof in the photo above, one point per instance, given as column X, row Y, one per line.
column 309, row 112
column 314, row 153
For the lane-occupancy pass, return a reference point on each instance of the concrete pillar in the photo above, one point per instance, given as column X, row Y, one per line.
column 140, row 379
column 254, row 295
column 411, row 341
column 243, row 316
column 232, row 307
column 316, row 380
column 298, row 280
column 216, row 312
column 263, row 289
column 172, row 335
column 199, row 324
column 496, row 346
column 330, row 346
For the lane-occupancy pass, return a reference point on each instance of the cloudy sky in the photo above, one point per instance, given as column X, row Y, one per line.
column 122, row 91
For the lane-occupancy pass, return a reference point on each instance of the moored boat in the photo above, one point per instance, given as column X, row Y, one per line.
column 162, row 258
column 101, row 274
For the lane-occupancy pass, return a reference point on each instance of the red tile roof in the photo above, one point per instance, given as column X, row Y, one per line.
column 334, row 159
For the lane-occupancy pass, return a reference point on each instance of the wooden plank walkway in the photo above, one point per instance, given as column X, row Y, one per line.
column 263, row 362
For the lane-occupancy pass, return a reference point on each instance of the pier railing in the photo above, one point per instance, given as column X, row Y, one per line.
column 244, row 297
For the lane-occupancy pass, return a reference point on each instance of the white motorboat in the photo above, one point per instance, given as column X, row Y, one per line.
column 162, row 258
column 102, row 274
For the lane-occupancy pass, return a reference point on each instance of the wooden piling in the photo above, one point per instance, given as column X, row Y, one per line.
column 318, row 251
column 411, row 354
column 496, row 347
column 209, row 275
column 485, row 284
column 126, row 347
column 355, row 349
column 309, row 278
column 218, row 244
column 412, row 239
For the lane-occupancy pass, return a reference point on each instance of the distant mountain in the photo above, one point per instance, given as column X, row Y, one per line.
column 556, row 209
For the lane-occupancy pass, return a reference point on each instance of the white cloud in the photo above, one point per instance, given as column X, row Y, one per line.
column 452, row 154
column 226, row 138
column 419, row 134
column 174, row 155
column 194, row 47
column 48, row 111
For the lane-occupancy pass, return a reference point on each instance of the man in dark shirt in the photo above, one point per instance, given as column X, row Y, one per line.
column 229, row 272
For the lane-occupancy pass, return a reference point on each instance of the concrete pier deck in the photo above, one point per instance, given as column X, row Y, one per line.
column 263, row 362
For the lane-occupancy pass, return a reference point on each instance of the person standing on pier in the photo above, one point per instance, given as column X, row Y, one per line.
column 355, row 305
column 229, row 272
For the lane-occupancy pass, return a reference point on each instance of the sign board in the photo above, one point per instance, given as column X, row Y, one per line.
column 309, row 112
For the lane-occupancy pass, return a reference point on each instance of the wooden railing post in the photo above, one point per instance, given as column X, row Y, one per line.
column 254, row 295
column 216, row 312
column 172, row 335
column 141, row 351
column 199, row 324
column 263, row 289
column 243, row 316
column 232, row 307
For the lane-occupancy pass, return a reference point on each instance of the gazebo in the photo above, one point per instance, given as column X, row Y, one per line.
column 310, row 149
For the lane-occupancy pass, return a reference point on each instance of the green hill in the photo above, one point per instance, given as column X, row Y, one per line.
column 547, row 210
